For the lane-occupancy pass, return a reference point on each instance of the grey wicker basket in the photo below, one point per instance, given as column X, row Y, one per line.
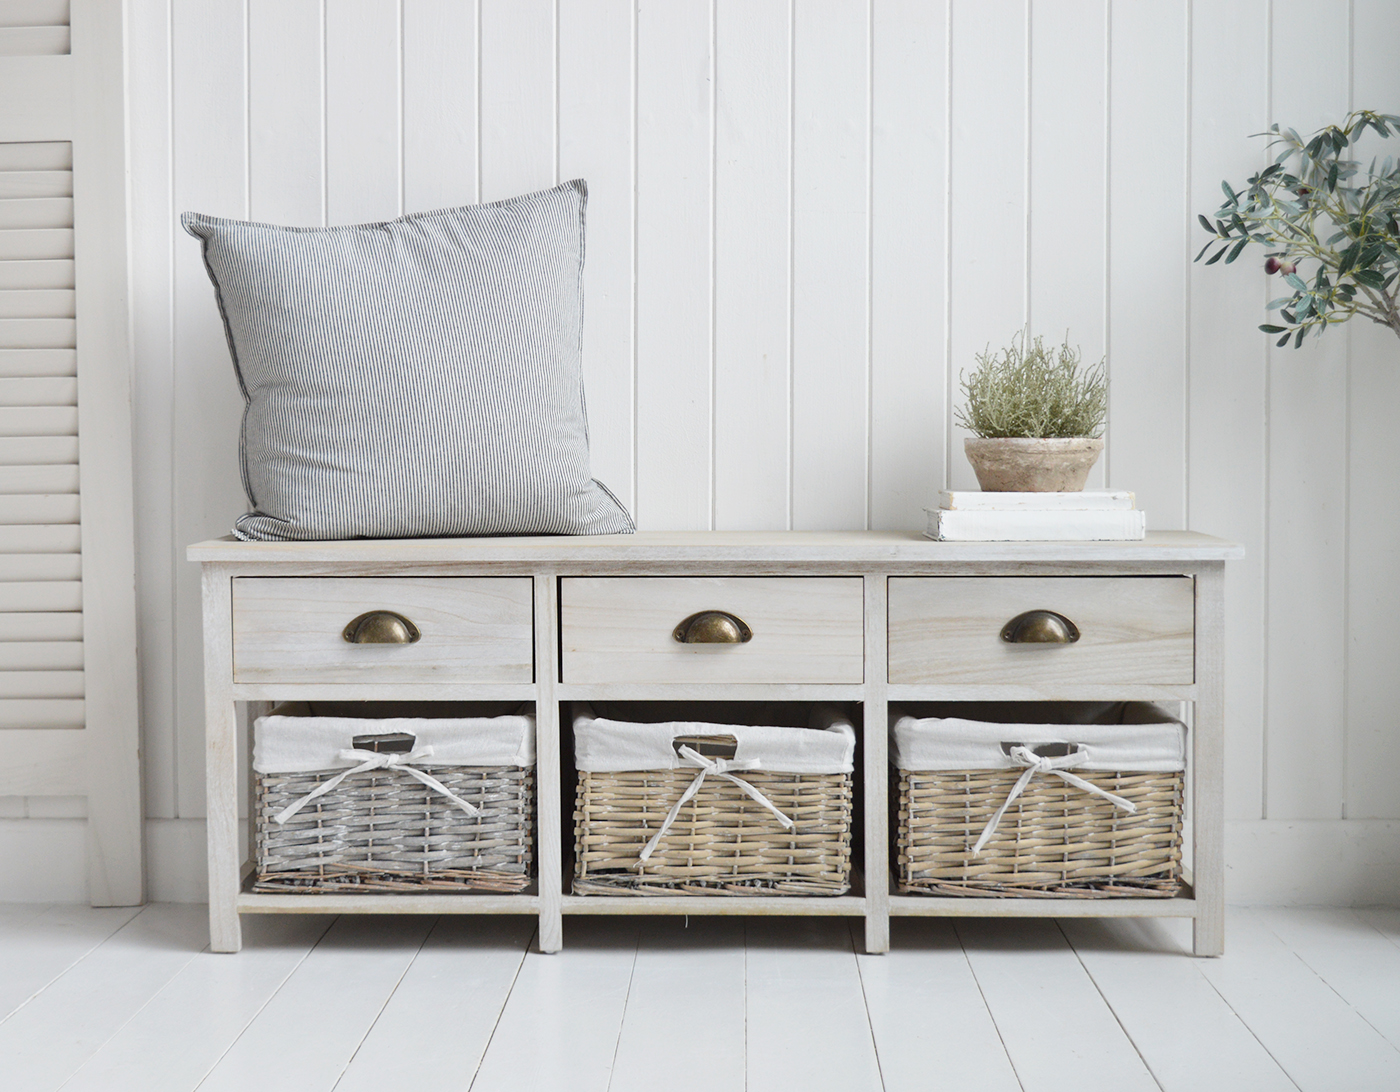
column 406, row 823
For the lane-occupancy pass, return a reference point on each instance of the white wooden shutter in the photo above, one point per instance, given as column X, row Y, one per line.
column 68, row 716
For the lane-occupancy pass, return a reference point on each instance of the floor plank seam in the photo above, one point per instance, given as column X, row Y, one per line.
column 485, row 1050
column 1394, row 941
column 1335, row 992
column 622, row 1023
column 1346, row 1001
column 1109, row 1004
column 127, row 1022
column 387, row 999
column 990, row 1014
column 865, row 1001
column 69, row 967
column 746, row 1004
column 252, row 1019
column 1252, row 1033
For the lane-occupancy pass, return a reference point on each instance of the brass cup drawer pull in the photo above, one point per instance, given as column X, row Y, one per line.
column 1040, row 627
column 713, row 627
column 381, row 627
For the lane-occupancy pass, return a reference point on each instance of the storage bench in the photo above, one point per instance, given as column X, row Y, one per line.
column 850, row 620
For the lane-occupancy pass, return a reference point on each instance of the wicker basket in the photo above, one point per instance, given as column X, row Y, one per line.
column 1056, row 838
column 400, row 825
column 787, row 833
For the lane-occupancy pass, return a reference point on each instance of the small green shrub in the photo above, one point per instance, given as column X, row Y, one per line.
column 1031, row 391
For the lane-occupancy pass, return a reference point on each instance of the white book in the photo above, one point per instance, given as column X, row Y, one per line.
column 1032, row 526
column 971, row 500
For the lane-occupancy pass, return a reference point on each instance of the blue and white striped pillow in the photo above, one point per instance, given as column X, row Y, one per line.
column 421, row 376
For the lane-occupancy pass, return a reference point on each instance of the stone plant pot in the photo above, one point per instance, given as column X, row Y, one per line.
column 1013, row 464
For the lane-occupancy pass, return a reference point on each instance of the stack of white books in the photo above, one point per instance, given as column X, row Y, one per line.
column 1093, row 515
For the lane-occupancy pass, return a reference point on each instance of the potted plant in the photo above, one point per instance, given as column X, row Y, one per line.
column 1333, row 229
column 1036, row 416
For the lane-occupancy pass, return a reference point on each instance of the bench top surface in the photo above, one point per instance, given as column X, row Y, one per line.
column 855, row 547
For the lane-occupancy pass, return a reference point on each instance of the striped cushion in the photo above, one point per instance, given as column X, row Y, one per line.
column 416, row 377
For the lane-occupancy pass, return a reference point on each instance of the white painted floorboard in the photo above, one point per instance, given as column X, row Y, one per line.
column 180, row 1035
column 44, row 1042
column 131, row 1001
column 808, row 1028
column 435, row 1029
column 1185, row 1032
column 932, row 1028
column 1321, row 1042
column 560, row 1027
column 684, row 1025
column 1057, row 1029
column 1341, row 950
column 40, row 948
column 303, row 1039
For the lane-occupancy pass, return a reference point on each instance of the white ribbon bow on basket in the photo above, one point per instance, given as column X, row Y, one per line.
column 717, row 767
column 378, row 760
column 1040, row 764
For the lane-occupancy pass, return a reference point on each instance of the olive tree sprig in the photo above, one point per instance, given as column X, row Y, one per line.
column 1312, row 204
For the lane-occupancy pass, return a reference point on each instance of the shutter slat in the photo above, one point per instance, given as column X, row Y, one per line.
column 48, row 538
column 41, row 595
column 46, row 155
column 41, row 655
column 41, row 333
column 38, row 421
column 33, row 41
column 52, row 273
column 36, row 212
column 44, row 391
column 37, row 243
column 39, row 508
column 16, row 184
column 41, row 713
column 34, row 13
column 59, row 626
column 51, row 567
column 41, row 684
column 38, row 303
column 29, row 363
column 37, row 479
column 38, row 450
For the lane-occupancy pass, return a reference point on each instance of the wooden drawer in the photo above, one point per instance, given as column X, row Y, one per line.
column 1132, row 629
column 292, row 629
column 622, row 629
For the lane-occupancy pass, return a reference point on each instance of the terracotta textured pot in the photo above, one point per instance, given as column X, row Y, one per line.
column 1012, row 464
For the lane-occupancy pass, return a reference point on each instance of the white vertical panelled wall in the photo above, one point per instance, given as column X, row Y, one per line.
column 805, row 218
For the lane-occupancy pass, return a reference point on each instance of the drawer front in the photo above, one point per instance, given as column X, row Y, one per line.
column 292, row 629
column 1132, row 629
column 622, row 629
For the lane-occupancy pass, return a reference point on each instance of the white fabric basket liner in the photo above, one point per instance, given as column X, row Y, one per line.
column 615, row 746
column 939, row 743
column 304, row 744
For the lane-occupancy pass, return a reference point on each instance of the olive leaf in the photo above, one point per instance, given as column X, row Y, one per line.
column 1323, row 218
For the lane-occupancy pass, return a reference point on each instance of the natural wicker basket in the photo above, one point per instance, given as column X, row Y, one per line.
column 383, row 830
column 1054, row 841
column 721, row 842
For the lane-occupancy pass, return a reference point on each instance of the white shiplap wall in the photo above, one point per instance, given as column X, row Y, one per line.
column 805, row 217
